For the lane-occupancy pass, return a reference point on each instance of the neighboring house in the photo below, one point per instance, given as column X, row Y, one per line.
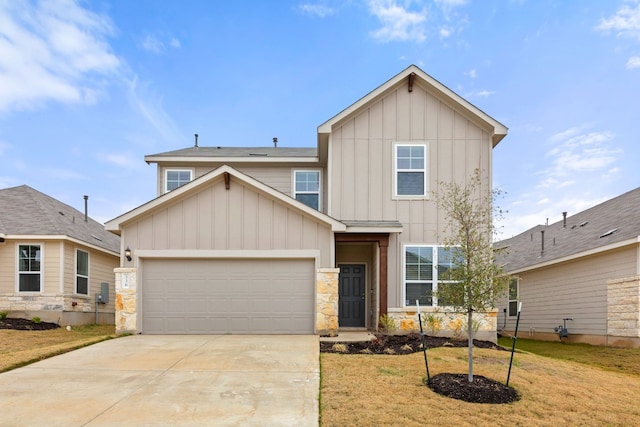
column 586, row 268
column 54, row 260
column 306, row 240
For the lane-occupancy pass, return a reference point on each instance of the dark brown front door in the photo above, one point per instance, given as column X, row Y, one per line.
column 351, row 300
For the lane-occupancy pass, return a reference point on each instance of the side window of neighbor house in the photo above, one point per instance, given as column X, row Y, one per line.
column 513, row 296
column 175, row 178
column 29, row 268
column 426, row 268
column 411, row 170
column 306, row 187
column 82, row 272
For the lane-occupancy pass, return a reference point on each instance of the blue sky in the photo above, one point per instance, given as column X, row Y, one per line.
column 88, row 88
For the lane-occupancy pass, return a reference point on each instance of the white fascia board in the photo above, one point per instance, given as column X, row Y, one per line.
column 244, row 159
column 26, row 237
column 595, row 251
column 374, row 229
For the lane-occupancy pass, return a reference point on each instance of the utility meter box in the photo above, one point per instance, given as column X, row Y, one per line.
column 103, row 296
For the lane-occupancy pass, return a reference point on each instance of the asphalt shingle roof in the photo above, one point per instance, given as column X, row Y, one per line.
column 613, row 221
column 239, row 152
column 28, row 212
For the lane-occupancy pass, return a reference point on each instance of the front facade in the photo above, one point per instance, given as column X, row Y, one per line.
column 307, row 240
column 55, row 262
column 585, row 268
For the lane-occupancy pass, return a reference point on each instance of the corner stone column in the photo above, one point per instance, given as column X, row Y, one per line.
column 126, row 292
column 327, row 301
column 623, row 307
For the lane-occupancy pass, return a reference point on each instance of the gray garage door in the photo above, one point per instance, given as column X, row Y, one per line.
column 257, row 296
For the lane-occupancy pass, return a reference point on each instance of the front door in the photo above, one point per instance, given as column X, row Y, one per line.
column 351, row 299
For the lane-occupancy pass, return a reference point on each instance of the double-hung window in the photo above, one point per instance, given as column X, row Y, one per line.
column 513, row 296
column 82, row 272
column 425, row 269
column 174, row 178
column 306, row 187
column 29, row 268
column 410, row 170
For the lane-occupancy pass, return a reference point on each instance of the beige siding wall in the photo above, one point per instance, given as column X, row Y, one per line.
column 575, row 289
column 362, row 159
column 240, row 218
column 7, row 267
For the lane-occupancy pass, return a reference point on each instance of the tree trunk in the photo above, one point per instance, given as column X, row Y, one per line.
column 470, row 333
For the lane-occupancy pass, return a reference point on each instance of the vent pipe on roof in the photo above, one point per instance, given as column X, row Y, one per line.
column 196, row 135
column 86, row 208
column 564, row 220
column 275, row 142
column 542, row 243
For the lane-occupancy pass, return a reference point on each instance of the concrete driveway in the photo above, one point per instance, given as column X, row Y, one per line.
column 163, row 380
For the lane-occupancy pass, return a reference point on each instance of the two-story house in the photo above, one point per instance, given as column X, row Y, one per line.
column 305, row 240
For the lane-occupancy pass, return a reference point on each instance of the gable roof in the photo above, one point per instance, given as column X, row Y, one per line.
column 499, row 130
column 611, row 224
column 28, row 212
column 115, row 225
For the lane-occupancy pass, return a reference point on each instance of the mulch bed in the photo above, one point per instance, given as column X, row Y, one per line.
column 26, row 325
column 456, row 386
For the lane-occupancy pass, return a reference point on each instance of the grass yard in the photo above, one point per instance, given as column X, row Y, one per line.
column 19, row 348
column 376, row 390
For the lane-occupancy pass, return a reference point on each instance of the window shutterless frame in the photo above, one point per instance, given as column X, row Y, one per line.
column 174, row 178
column 425, row 267
column 82, row 272
column 410, row 170
column 306, row 187
column 514, row 294
column 29, row 258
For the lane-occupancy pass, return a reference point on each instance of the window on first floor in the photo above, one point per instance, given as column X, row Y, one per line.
column 410, row 170
column 425, row 269
column 306, row 187
column 82, row 272
column 29, row 268
column 513, row 296
column 175, row 178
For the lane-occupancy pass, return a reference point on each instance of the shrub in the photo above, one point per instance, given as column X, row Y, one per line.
column 3, row 315
column 387, row 323
column 432, row 323
column 36, row 319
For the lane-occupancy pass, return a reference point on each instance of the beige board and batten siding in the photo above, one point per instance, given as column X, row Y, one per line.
column 241, row 218
column 362, row 165
column 576, row 289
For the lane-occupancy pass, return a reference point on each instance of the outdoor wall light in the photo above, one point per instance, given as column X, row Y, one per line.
column 127, row 254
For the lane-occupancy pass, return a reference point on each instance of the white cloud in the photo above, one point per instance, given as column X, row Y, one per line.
column 479, row 94
column 128, row 161
column 633, row 62
column 625, row 23
column 471, row 73
column 319, row 10
column 398, row 23
column 445, row 32
column 175, row 43
column 153, row 44
column 55, row 50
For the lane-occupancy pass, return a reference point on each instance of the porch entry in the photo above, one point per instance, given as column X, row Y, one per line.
column 351, row 295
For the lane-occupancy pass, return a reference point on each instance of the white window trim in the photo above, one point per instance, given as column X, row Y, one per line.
column 42, row 263
column 435, row 280
column 397, row 144
column 166, row 172
column 509, row 300
column 76, row 275
column 293, row 185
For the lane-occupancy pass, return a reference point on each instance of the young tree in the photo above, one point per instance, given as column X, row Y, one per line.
column 476, row 280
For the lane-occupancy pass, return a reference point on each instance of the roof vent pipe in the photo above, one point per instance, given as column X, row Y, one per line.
column 86, row 208
column 196, row 135
column 542, row 243
column 275, row 142
column 564, row 220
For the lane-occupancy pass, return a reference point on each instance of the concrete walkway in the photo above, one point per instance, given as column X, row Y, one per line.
column 151, row 380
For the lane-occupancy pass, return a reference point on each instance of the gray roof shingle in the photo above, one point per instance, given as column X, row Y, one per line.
column 239, row 152
column 613, row 221
column 28, row 212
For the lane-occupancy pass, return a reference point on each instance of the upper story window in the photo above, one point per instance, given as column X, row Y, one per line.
column 29, row 268
column 82, row 272
column 174, row 178
column 425, row 269
column 410, row 170
column 306, row 187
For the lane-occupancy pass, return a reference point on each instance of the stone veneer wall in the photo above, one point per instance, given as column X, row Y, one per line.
column 56, row 308
column 450, row 324
column 327, row 301
column 126, row 315
column 623, row 307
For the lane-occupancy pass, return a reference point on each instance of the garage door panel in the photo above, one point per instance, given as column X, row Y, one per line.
column 228, row 296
